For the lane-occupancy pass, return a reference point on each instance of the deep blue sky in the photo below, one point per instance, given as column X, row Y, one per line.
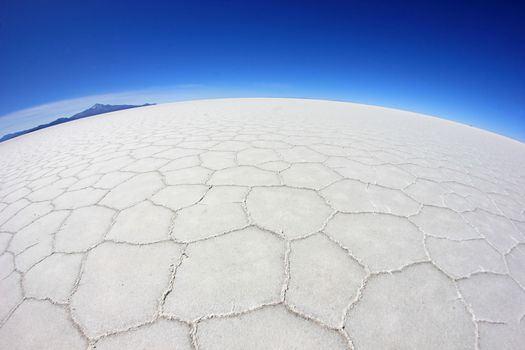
column 461, row 60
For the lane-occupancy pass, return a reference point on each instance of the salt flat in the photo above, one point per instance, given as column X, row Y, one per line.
column 262, row 224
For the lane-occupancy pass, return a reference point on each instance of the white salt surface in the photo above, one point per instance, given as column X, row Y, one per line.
column 262, row 224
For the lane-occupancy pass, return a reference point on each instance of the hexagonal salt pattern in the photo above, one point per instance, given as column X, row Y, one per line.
column 292, row 212
column 243, row 270
column 40, row 324
column 268, row 328
column 422, row 305
column 124, row 280
column 262, row 223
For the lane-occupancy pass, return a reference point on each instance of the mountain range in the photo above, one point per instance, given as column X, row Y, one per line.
column 93, row 110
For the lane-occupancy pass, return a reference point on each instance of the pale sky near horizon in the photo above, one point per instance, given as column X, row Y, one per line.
column 45, row 113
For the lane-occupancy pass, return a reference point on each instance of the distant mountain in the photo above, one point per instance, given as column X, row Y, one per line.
column 93, row 110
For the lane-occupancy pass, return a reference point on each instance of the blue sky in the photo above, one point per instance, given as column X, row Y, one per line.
column 460, row 60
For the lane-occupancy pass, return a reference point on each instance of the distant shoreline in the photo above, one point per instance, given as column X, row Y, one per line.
column 96, row 109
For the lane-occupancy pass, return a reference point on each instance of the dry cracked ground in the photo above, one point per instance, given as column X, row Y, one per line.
column 262, row 224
